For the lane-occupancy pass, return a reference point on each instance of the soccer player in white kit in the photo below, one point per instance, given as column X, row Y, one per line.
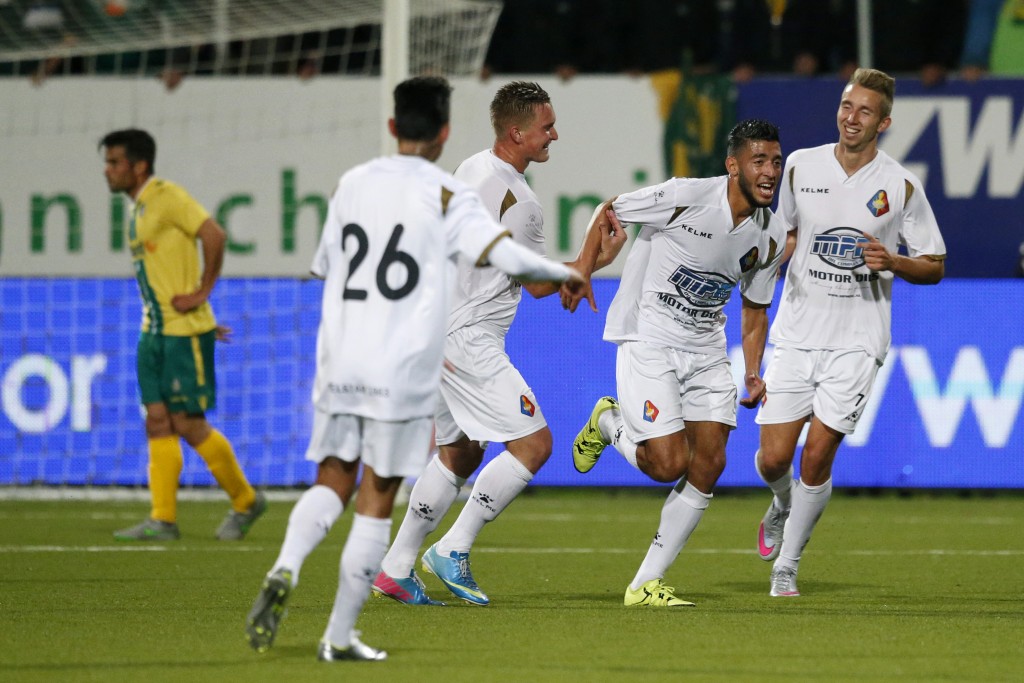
column 847, row 206
column 484, row 398
column 676, row 404
column 387, row 254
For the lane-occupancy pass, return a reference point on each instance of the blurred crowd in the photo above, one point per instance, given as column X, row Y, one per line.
column 745, row 38
column 934, row 39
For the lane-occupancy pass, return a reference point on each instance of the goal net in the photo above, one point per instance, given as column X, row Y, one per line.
column 238, row 37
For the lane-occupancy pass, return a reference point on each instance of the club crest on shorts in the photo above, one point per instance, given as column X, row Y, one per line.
column 650, row 411
column 879, row 204
column 526, row 406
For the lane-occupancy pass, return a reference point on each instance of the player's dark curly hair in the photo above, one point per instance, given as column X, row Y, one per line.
column 138, row 145
column 513, row 104
column 751, row 130
column 422, row 107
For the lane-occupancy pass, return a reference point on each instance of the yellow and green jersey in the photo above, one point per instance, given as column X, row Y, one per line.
column 165, row 254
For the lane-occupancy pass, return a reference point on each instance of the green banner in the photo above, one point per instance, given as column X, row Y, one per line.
column 698, row 124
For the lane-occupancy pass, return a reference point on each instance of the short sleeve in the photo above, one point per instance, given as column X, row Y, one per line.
column 525, row 221
column 190, row 214
column 920, row 231
column 653, row 206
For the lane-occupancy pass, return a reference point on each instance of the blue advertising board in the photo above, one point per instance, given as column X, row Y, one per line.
column 946, row 411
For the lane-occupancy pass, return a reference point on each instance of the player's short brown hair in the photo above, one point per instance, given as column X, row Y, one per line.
column 513, row 104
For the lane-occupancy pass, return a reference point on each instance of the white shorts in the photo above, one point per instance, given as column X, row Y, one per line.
column 661, row 388
column 833, row 385
column 485, row 398
column 392, row 449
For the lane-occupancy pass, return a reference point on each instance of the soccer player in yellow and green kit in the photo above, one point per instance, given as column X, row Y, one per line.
column 175, row 351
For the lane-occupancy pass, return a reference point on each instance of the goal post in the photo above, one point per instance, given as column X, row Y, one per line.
column 394, row 62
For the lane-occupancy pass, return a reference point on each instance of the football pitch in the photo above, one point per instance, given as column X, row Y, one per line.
column 928, row 587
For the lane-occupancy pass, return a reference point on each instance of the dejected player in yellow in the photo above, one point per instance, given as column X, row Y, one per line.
column 175, row 362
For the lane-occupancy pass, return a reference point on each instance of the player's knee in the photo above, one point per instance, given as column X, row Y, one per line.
column 715, row 462
column 533, row 450
column 158, row 424
column 666, row 470
column 773, row 464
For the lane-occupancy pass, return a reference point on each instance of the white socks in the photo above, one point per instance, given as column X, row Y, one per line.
column 679, row 517
column 311, row 518
column 499, row 483
column 360, row 562
column 431, row 498
column 808, row 504
column 613, row 430
column 781, row 487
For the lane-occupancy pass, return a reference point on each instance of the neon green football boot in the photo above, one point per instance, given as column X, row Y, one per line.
column 589, row 443
column 654, row 593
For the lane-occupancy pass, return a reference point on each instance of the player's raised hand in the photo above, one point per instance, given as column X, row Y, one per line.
column 876, row 256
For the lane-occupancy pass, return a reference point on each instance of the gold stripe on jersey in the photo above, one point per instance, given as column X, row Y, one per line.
column 762, row 217
column 446, row 196
column 676, row 213
column 792, row 170
column 910, row 191
column 482, row 261
column 773, row 246
column 506, row 203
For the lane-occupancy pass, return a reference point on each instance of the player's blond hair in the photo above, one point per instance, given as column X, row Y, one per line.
column 879, row 81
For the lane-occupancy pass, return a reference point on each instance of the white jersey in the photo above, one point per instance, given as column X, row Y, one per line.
column 487, row 296
column 683, row 266
column 831, row 300
column 387, row 253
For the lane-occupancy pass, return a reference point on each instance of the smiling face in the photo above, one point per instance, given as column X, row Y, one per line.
column 860, row 118
column 536, row 137
column 756, row 168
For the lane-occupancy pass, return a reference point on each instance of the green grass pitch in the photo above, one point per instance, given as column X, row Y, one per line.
column 928, row 587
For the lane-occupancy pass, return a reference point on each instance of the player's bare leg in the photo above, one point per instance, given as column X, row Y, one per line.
column 774, row 464
column 810, row 497
column 682, row 511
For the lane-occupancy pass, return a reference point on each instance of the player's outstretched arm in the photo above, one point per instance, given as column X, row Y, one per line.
column 754, row 326
column 522, row 264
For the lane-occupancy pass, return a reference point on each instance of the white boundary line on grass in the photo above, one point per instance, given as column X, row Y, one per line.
column 117, row 493
column 129, row 547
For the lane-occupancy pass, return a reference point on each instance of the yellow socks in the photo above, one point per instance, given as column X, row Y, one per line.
column 165, row 462
column 220, row 458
